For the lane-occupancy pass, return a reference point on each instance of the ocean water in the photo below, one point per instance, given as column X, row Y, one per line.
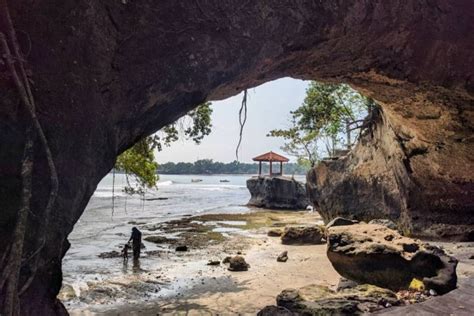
column 103, row 229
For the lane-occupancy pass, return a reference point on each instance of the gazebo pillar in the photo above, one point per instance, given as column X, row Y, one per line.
column 259, row 168
column 281, row 168
column 270, row 168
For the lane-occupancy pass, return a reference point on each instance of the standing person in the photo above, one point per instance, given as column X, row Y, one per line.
column 136, row 239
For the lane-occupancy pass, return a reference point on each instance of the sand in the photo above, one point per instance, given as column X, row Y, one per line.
column 189, row 286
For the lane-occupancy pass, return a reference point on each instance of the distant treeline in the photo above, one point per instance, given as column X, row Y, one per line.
column 208, row 166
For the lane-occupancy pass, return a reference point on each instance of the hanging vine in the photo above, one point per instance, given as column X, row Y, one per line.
column 16, row 63
column 242, row 121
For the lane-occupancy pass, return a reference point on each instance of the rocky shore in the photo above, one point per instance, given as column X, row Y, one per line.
column 272, row 263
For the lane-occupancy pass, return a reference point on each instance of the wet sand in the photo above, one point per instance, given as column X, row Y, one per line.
column 185, row 284
column 174, row 283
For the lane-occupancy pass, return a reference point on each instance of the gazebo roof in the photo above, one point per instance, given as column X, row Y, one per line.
column 271, row 156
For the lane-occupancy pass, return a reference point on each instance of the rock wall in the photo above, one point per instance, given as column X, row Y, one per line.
column 277, row 193
column 106, row 73
column 413, row 168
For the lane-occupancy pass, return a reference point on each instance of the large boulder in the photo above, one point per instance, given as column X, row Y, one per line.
column 320, row 300
column 277, row 193
column 312, row 235
column 375, row 254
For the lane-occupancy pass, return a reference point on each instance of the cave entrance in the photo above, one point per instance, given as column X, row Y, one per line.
column 193, row 185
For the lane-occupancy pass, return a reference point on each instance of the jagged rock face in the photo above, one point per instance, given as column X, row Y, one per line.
column 418, row 173
column 106, row 73
column 277, row 193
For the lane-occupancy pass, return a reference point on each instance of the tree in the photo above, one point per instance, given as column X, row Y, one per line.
column 328, row 112
column 139, row 160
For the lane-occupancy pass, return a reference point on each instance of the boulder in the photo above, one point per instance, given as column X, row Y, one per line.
column 364, row 254
column 277, row 193
column 320, row 300
column 283, row 257
column 226, row 259
column 303, row 235
column 238, row 263
column 339, row 221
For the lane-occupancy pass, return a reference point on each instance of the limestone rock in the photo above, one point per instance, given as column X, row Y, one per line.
column 272, row 310
column 283, row 257
column 362, row 253
column 122, row 77
column 303, row 235
column 320, row 300
column 339, row 221
column 394, row 174
column 238, row 263
column 277, row 193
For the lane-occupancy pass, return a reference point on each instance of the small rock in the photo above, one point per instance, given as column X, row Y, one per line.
column 226, row 259
column 274, row 233
column 432, row 292
column 283, row 257
column 238, row 263
column 213, row 263
column 182, row 248
column 389, row 237
column 312, row 235
column 410, row 247
column 156, row 239
column 340, row 221
column 471, row 257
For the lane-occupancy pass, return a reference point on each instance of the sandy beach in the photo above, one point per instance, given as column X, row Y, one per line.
column 184, row 283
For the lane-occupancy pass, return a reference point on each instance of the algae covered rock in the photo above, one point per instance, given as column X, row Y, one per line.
column 299, row 235
column 320, row 300
column 375, row 254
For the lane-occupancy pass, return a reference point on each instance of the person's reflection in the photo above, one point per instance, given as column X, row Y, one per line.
column 125, row 267
column 136, row 266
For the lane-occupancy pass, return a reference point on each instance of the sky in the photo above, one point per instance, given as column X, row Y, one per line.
column 269, row 107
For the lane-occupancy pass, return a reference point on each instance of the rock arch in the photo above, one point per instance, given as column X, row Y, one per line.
column 108, row 72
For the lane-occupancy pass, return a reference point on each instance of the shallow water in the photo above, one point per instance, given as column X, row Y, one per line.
column 102, row 230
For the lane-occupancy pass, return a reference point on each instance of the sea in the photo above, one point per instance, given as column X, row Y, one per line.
column 107, row 220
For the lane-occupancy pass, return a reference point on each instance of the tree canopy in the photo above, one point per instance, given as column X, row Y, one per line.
column 138, row 161
column 327, row 116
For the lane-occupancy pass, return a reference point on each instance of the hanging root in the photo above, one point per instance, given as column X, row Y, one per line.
column 11, row 271
column 242, row 121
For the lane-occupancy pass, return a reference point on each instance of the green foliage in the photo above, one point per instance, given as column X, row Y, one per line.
column 139, row 160
column 327, row 113
column 208, row 166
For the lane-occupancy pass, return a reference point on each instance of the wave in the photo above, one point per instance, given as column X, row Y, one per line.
column 164, row 183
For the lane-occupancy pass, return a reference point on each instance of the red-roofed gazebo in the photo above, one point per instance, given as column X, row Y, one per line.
column 271, row 157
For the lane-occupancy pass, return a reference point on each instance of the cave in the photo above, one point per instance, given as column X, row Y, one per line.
column 106, row 73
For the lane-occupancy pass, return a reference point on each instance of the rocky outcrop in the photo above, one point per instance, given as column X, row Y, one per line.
column 320, row 300
column 303, row 235
column 106, row 73
column 408, row 170
column 277, row 193
column 375, row 254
